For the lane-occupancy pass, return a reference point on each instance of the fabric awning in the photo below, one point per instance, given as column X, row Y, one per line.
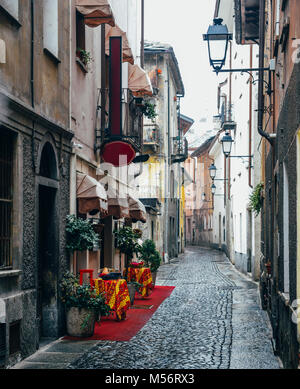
column 95, row 12
column 91, row 195
column 118, row 207
column 126, row 50
column 116, row 191
column 137, row 210
column 138, row 81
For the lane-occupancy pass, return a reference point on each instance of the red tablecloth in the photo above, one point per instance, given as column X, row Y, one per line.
column 142, row 276
column 116, row 295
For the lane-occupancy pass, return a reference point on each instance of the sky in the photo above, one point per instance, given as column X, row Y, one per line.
column 181, row 24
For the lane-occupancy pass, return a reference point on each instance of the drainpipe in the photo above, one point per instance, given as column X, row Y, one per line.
column 262, row 5
column 167, row 170
column 142, row 33
column 250, row 121
column 32, row 82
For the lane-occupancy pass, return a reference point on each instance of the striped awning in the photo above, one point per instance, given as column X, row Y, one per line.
column 126, row 50
column 91, row 195
column 138, row 81
column 95, row 12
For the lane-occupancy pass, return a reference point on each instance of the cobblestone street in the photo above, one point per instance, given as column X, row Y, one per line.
column 212, row 320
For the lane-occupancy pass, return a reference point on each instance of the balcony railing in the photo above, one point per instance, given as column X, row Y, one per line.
column 180, row 150
column 132, row 130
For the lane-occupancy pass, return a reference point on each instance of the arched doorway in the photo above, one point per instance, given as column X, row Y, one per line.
column 47, row 187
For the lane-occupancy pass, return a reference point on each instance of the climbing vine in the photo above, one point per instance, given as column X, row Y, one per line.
column 256, row 199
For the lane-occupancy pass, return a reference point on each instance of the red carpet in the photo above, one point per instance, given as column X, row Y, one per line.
column 110, row 329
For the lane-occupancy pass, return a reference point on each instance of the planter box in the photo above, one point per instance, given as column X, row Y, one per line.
column 76, row 318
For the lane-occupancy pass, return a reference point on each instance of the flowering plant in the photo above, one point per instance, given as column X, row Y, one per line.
column 137, row 265
column 82, row 296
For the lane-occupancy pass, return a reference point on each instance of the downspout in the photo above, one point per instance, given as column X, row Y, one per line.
column 167, row 170
column 32, row 82
column 262, row 4
column 142, row 66
column 142, row 33
column 250, row 120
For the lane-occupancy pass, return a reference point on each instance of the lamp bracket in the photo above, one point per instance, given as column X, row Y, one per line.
column 249, row 71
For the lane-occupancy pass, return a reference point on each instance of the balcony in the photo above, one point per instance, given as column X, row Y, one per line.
column 179, row 150
column 151, row 136
column 131, row 122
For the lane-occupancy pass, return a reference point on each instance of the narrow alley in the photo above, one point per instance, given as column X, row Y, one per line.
column 212, row 320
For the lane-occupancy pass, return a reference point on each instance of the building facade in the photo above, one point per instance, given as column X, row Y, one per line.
column 34, row 172
column 164, row 142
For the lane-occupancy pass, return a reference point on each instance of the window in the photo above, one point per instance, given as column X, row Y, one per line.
column 80, row 33
column 6, row 179
column 50, row 17
column 12, row 7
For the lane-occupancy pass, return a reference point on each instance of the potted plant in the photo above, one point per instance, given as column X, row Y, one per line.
column 127, row 242
column 84, row 56
column 80, row 234
column 148, row 110
column 149, row 254
column 83, row 306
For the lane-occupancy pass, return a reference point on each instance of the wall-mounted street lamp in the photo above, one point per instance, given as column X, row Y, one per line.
column 226, row 146
column 212, row 171
column 213, row 189
column 217, row 38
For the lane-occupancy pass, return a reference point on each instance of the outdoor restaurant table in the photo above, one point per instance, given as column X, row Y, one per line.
column 116, row 295
column 142, row 276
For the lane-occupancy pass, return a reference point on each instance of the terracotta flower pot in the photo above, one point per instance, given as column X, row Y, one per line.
column 80, row 322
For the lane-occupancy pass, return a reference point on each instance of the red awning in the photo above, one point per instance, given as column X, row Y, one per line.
column 91, row 195
column 95, row 12
column 118, row 153
column 126, row 50
column 138, row 81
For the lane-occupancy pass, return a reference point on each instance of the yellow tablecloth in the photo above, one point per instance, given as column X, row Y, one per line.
column 142, row 276
column 116, row 295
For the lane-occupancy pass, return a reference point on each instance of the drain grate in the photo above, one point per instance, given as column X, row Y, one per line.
column 141, row 307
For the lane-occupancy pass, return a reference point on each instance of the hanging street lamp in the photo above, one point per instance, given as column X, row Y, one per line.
column 213, row 189
column 212, row 171
column 217, row 38
column 227, row 144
